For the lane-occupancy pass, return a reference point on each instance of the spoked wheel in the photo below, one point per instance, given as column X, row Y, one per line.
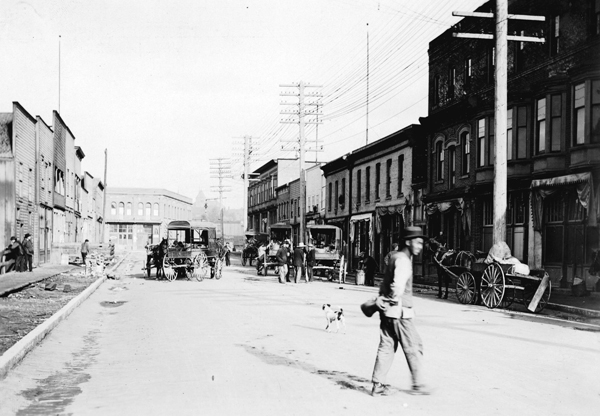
column 169, row 270
column 509, row 294
column 201, row 267
column 218, row 268
column 466, row 291
column 530, row 293
column 492, row 285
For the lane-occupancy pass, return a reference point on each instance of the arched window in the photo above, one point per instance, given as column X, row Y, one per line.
column 140, row 209
column 439, row 156
column 155, row 213
column 128, row 210
column 148, row 209
column 121, row 208
column 113, row 208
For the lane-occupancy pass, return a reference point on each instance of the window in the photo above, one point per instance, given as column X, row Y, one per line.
column 368, row 184
column 481, row 141
column 337, row 196
column 388, row 178
column 113, row 208
column 465, row 140
column 128, row 211
column 377, row 180
column 400, row 174
column 579, row 107
column 452, row 164
column 343, row 194
column 555, row 122
column 468, row 72
column 121, row 209
column 555, row 36
column 491, row 64
column 509, row 134
column 451, row 82
column 439, row 155
column 436, row 90
column 140, row 210
column 596, row 17
column 359, row 186
column 148, row 209
column 521, row 132
column 595, row 113
column 330, row 197
column 540, row 128
column 155, row 211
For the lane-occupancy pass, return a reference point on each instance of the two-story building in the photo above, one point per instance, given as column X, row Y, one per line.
column 553, row 136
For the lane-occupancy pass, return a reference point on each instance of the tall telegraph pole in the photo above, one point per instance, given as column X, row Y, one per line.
column 301, row 121
column 220, row 168
column 501, row 38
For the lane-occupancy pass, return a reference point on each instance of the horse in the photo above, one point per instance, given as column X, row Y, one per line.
column 448, row 261
column 157, row 254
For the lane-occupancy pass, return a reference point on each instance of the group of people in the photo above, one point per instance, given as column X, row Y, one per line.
column 18, row 256
column 301, row 258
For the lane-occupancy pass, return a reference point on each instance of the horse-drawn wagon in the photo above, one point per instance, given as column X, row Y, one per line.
column 278, row 234
column 193, row 251
column 327, row 240
column 493, row 280
column 253, row 241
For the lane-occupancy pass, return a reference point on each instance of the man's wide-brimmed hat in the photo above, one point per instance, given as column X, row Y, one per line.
column 301, row 244
column 413, row 232
column 27, row 235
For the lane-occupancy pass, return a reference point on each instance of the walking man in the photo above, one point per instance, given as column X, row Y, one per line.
column 299, row 269
column 28, row 249
column 85, row 249
column 310, row 262
column 369, row 265
column 282, row 260
column 397, row 326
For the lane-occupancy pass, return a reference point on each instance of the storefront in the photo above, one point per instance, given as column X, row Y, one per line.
column 361, row 235
column 389, row 224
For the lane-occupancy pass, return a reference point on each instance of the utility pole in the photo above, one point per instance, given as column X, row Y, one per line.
column 104, row 194
column 220, row 168
column 301, row 114
column 501, row 37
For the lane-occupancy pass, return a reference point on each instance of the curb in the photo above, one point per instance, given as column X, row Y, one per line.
column 590, row 313
column 17, row 352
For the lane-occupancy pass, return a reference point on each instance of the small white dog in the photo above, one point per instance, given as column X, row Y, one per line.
column 334, row 315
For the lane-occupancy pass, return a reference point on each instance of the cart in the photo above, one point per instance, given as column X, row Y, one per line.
column 253, row 241
column 192, row 251
column 327, row 240
column 279, row 233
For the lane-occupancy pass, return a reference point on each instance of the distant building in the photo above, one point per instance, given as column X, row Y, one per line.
column 137, row 216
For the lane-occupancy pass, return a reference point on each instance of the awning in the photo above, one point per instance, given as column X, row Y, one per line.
column 460, row 205
column 387, row 209
column 358, row 218
column 583, row 182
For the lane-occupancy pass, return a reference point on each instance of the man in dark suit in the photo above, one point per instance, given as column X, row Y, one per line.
column 310, row 262
column 299, row 269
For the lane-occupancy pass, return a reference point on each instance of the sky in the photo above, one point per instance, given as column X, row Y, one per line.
column 167, row 86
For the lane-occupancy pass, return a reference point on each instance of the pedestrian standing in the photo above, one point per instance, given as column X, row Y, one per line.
column 397, row 326
column 85, row 249
column 288, row 245
column 386, row 259
column 299, row 268
column 260, row 257
column 227, row 253
column 28, row 252
column 11, row 255
column 369, row 265
column 310, row 261
column 282, row 262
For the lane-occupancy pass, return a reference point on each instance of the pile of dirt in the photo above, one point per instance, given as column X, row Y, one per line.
column 22, row 311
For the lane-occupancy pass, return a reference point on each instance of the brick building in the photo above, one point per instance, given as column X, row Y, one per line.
column 136, row 216
column 553, row 136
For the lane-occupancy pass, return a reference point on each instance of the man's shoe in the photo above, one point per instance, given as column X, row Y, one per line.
column 420, row 391
column 379, row 390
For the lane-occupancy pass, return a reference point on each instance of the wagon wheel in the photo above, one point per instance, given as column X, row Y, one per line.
column 509, row 294
column 466, row 289
column 244, row 260
column 530, row 292
column 169, row 270
column 200, row 267
column 492, row 285
column 218, row 268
